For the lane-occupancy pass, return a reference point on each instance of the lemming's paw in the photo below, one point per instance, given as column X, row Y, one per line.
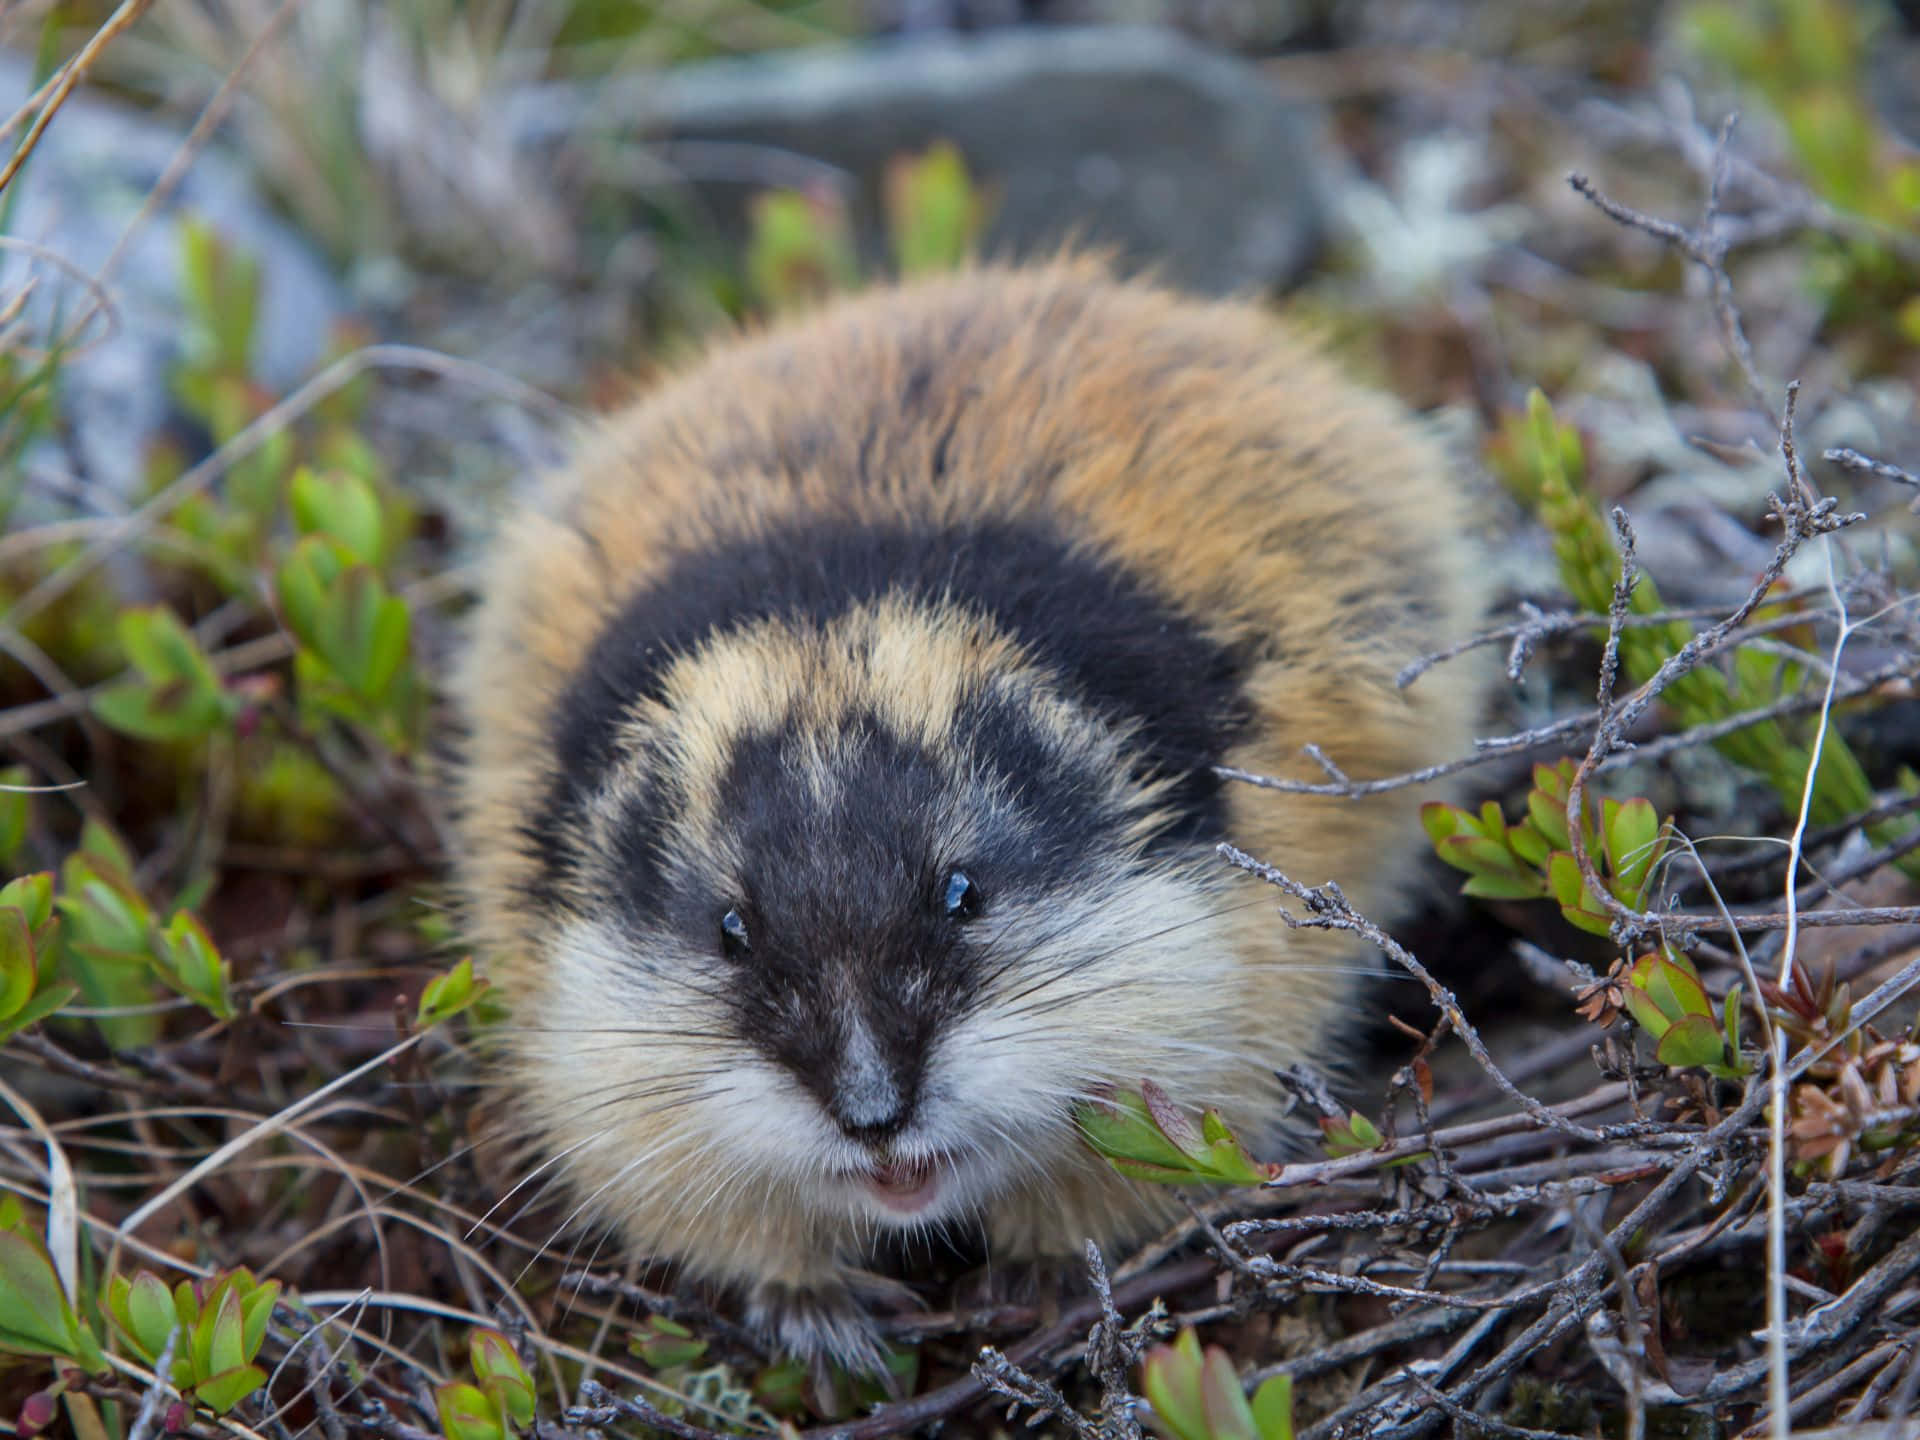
column 828, row 1322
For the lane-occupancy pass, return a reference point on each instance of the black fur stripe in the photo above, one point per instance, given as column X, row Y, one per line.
column 1126, row 652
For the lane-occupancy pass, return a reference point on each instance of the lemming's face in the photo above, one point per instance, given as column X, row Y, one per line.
column 864, row 931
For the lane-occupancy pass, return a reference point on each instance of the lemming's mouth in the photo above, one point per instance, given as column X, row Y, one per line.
column 904, row 1187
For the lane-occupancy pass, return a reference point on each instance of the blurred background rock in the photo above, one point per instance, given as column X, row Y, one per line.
column 567, row 190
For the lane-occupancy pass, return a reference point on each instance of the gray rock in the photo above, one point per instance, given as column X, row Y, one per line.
column 84, row 183
column 1127, row 136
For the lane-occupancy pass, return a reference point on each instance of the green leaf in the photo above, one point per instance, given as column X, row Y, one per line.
column 105, row 912
column 448, row 995
column 32, row 1305
column 144, row 1311
column 1442, row 821
column 1181, row 1174
column 1673, row 987
column 256, row 1309
column 32, row 896
column 1146, row 1136
column 1121, row 1129
column 227, row 1332
column 665, row 1344
column 1530, row 845
column 160, row 647
column 1570, row 889
column 224, row 1389
column 179, row 695
column 1694, row 1040
column 1555, row 782
column 1171, row 1381
column 1229, row 1164
column 342, row 614
column 800, row 247
column 380, row 627
column 1353, row 1135
column 1504, row 887
column 343, row 506
column 1632, row 832
column 104, row 847
column 163, row 711
column 104, row 935
column 302, row 582
column 781, row 1388
column 184, row 955
column 903, row 1369
column 1229, row 1417
column 19, row 972
column 206, row 1322
column 514, row 1397
column 934, row 212
column 500, row 1373
column 1546, row 809
column 1757, row 675
column 1647, row 1015
column 1478, row 855
column 1273, row 1408
column 35, row 1317
column 468, row 1413
column 49, row 1001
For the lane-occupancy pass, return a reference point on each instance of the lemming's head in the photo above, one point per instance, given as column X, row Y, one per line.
column 857, row 906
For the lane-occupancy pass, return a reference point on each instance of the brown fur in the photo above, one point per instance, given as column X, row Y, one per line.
column 1203, row 445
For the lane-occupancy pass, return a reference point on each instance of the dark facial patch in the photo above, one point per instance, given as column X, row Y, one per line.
column 856, row 958
column 1119, row 649
column 856, row 964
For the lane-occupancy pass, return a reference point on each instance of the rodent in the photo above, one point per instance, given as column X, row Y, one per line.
column 838, row 804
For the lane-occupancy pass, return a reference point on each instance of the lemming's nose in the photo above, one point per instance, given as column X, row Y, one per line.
column 870, row 1102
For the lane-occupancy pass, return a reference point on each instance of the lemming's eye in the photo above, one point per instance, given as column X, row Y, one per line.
column 733, row 935
column 962, row 896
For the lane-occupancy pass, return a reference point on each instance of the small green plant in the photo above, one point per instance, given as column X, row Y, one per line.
column 354, row 637
column 935, row 212
column 663, row 1344
column 217, row 1326
column 103, row 933
column 178, row 695
column 1545, row 460
column 497, row 1403
column 1349, row 1134
column 1807, row 60
column 29, row 991
column 1533, row 858
column 1664, row 995
column 344, row 506
column 448, row 995
column 1197, row 1395
column 116, row 939
column 36, row 1318
column 185, row 959
column 801, row 248
column 1143, row 1134
column 801, row 245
